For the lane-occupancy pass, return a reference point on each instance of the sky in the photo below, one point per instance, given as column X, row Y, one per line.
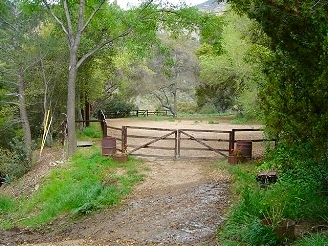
column 124, row 3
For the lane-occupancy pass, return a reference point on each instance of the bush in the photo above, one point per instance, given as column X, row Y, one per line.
column 118, row 105
column 208, row 108
column 187, row 108
column 14, row 162
column 300, row 194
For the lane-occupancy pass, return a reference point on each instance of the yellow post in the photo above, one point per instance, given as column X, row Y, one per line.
column 44, row 132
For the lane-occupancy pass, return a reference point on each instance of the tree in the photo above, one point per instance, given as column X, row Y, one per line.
column 294, row 100
column 75, row 18
column 231, row 77
column 174, row 71
column 19, row 56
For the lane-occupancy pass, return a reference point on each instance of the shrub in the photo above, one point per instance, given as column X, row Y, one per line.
column 208, row 109
column 187, row 108
column 299, row 194
column 118, row 105
column 14, row 162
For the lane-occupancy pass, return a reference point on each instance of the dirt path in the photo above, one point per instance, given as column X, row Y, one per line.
column 179, row 203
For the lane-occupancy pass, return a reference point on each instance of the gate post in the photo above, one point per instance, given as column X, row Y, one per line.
column 124, row 139
column 177, row 144
column 231, row 140
column 103, row 123
column 104, row 128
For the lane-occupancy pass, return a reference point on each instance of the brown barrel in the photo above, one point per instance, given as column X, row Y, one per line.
column 246, row 148
column 108, row 146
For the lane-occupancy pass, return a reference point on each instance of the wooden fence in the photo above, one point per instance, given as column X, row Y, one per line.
column 137, row 113
column 179, row 143
column 132, row 141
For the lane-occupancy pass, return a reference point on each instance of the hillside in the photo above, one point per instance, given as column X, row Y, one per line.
column 212, row 6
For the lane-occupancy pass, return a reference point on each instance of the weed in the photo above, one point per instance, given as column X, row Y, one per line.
column 80, row 187
column 93, row 131
column 6, row 205
column 298, row 195
column 315, row 239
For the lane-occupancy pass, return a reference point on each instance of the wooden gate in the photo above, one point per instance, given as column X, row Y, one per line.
column 172, row 143
column 212, row 141
column 181, row 143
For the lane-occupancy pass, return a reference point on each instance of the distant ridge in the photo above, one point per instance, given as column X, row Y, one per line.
column 212, row 6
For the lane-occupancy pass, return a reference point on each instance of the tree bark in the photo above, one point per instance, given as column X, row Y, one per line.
column 23, row 114
column 72, row 146
column 175, row 98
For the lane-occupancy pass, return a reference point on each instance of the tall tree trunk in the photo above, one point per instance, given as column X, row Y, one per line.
column 175, row 98
column 72, row 146
column 23, row 114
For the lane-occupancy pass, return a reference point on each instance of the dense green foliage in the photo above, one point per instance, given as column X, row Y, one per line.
column 295, row 98
column 231, row 78
column 119, row 105
column 298, row 195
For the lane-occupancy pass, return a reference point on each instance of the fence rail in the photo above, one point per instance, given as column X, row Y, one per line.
column 176, row 136
column 178, row 143
column 137, row 113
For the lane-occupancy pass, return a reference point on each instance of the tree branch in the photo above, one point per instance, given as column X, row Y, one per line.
column 92, row 15
column 81, row 18
column 69, row 24
column 55, row 17
column 102, row 44
column 12, row 27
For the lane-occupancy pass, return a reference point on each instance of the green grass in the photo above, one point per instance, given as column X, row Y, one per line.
column 295, row 196
column 6, row 205
column 213, row 122
column 313, row 240
column 88, row 183
column 93, row 131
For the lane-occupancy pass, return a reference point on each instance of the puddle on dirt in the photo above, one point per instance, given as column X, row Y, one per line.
column 183, row 216
column 187, row 215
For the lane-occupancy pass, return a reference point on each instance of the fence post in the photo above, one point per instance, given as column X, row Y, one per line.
column 87, row 114
column 231, row 140
column 124, row 139
column 105, row 128
column 103, row 123
column 177, row 144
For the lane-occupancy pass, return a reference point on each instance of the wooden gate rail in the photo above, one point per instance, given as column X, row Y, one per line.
column 203, row 140
column 101, row 119
column 177, row 140
column 179, row 136
column 145, row 145
column 232, row 138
